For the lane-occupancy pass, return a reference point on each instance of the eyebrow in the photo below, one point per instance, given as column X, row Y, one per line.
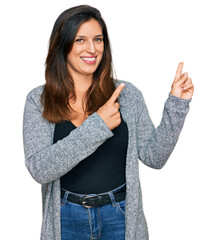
column 100, row 35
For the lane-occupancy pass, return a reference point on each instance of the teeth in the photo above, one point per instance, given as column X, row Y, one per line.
column 89, row 59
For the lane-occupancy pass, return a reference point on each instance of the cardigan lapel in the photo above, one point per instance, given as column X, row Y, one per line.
column 132, row 166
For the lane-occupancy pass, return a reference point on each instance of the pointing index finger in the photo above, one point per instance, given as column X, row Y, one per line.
column 179, row 71
column 116, row 93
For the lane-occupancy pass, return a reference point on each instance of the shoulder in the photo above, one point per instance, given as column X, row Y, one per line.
column 130, row 91
column 34, row 95
column 36, row 92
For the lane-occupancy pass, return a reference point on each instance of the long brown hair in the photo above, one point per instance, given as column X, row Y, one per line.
column 59, row 87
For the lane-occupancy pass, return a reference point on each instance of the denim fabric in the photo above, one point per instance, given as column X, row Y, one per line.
column 104, row 222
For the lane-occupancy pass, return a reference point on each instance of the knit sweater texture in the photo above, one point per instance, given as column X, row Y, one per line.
column 47, row 162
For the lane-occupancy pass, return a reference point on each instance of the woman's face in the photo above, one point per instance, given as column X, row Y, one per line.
column 87, row 50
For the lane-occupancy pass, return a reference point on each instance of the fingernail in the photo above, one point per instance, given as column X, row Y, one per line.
column 122, row 84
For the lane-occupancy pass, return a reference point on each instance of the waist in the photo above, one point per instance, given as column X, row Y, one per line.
column 92, row 200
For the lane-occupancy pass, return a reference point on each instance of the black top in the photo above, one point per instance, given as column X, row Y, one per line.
column 101, row 171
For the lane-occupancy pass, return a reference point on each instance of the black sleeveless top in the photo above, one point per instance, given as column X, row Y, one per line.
column 101, row 171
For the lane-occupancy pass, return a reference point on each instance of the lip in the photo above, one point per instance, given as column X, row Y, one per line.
column 89, row 56
column 89, row 62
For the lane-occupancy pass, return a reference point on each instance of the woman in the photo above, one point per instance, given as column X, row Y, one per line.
column 84, row 133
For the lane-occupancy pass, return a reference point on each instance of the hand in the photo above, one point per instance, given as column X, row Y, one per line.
column 109, row 111
column 182, row 86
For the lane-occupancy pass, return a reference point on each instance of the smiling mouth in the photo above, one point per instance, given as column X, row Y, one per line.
column 89, row 59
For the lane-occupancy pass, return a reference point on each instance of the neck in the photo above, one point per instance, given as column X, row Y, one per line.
column 81, row 82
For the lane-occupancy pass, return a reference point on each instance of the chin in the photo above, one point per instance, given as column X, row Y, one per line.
column 89, row 72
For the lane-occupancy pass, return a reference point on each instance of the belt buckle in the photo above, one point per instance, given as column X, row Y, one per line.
column 83, row 202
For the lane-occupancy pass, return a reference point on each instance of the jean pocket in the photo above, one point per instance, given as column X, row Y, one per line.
column 121, row 207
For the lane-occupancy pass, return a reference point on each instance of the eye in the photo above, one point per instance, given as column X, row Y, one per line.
column 79, row 40
column 98, row 39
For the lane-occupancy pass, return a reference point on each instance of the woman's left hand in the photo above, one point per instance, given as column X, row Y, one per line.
column 182, row 86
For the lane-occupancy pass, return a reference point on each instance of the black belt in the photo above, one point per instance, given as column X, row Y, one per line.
column 93, row 201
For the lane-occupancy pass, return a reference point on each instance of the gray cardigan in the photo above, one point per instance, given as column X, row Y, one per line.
column 47, row 162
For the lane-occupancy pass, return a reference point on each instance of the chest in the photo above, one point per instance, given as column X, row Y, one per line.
column 77, row 116
column 78, row 121
column 127, row 109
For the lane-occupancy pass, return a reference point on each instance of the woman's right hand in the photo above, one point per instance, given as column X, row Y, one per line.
column 109, row 112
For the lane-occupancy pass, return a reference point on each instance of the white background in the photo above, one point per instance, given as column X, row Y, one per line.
column 149, row 39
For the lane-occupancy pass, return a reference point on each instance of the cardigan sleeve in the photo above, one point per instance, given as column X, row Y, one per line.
column 155, row 145
column 47, row 161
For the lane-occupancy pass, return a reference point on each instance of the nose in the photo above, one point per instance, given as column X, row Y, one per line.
column 91, row 47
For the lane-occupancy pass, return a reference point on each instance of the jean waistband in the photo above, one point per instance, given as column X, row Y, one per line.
column 93, row 194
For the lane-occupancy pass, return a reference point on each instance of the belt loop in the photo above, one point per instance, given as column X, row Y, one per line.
column 112, row 199
column 64, row 200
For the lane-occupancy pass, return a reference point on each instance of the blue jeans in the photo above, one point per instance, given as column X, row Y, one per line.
column 102, row 222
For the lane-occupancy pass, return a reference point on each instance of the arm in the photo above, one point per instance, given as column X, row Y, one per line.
column 47, row 161
column 156, row 145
